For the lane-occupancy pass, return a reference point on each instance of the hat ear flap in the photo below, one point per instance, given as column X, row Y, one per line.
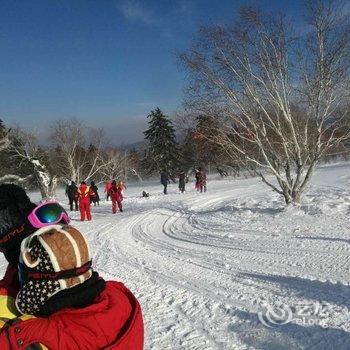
column 29, row 261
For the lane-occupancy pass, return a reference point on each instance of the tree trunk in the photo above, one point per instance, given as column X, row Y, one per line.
column 292, row 197
column 287, row 197
column 46, row 182
column 48, row 191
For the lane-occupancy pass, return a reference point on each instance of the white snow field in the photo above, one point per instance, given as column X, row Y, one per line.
column 205, row 265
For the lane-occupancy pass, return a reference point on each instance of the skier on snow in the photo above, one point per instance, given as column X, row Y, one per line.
column 71, row 191
column 83, row 195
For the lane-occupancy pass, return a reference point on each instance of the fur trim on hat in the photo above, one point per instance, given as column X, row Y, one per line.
column 51, row 249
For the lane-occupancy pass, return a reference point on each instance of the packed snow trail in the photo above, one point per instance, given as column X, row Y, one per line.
column 202, row 265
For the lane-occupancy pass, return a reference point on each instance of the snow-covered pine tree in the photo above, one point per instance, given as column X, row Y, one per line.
column 11, row 170
column 163, row 150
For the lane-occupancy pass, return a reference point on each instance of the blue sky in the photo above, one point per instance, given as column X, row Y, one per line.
column 105, row 62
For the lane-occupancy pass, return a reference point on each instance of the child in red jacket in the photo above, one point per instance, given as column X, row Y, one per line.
column 81, row 310
column 73, row 307
column 116, row 193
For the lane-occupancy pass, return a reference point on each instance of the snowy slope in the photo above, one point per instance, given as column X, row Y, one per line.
column 204, row 265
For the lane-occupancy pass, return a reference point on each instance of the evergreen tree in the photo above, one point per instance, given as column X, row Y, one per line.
column 188, row 151
column 163, row 150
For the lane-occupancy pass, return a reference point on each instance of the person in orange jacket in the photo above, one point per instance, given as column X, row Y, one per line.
column 122, row 185
column 117, row 197
column 83, row 194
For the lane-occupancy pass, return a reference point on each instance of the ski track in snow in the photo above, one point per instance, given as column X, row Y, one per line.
column 201, row 265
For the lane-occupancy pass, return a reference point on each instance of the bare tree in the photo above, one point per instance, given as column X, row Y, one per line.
column 78, row 154
column 68, row 140
column 133, row 165
column 118, row 164
column 115, row 165
column 278, row 94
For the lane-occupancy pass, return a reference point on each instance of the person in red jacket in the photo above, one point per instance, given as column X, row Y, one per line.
column 117, row 197
column 108, row 186
column 15, row 207
column 83, row 194
column 71, row 328
column 74, row 308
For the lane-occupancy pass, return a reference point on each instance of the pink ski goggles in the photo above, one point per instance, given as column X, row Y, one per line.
column 48, row 213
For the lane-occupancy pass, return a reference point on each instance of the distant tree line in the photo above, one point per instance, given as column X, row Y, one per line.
column 72, row 153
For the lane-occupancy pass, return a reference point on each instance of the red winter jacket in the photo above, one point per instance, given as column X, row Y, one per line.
column 114, row 321
column 84, row 193
column 9, row 287
column 108, row 186
column 116, row 193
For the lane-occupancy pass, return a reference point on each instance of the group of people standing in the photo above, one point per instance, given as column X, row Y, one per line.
column 200, row 176
column 84, row 195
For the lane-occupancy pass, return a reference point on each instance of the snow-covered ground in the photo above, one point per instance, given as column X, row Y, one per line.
column 205, row 266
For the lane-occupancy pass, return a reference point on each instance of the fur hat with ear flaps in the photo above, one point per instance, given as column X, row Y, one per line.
column 55, row 272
